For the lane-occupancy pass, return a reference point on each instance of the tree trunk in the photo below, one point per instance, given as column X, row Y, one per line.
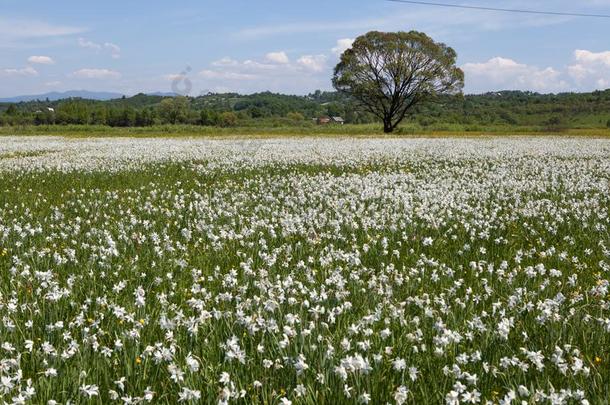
column 387, row 126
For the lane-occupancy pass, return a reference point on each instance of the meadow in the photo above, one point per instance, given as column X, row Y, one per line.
column 305, row 270
column 273, row 129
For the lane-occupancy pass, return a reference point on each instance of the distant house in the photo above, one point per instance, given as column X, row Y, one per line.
column 330, row 120
column 51, row 109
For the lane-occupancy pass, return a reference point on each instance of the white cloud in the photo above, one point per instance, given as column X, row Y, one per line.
column 591, row 70
column 253, row 65
column 274, row 64
column 114, row 49
column 226, row 61
column 578, row 72
column 27, row 71
column 83, row 43
column 248, row 65
column 342, row 45
column 53, row 83
column 506, row 74
column 215, row 74
column 273, row 72
column 14, row 29
column 277, row 57
column 96, row 74
column 42, row 60
column 314, row 63
column 589, row 57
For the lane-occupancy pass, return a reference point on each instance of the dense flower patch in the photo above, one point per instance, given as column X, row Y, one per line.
column 305, row 271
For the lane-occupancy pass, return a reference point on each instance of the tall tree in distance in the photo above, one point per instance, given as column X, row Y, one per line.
column 389, row 73
column 174, row 110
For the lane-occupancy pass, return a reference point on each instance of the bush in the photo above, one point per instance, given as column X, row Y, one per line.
column 556, row 124
column 608, row 124
column 295, row 116
column 228, row 119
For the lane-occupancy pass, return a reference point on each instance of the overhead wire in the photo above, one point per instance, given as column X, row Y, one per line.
column 506, row 10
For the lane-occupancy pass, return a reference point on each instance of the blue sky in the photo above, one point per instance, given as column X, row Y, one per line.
column 285, row 46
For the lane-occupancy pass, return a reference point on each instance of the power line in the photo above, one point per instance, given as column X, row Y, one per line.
column 506, row 10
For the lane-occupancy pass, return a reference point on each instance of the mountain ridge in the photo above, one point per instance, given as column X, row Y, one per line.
column 57, row 95
column 84, row 94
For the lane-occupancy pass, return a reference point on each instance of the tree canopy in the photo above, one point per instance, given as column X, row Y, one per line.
column 389, row 73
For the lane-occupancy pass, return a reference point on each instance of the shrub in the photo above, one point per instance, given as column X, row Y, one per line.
column 228, row 119
column 295, row 116
column 556, row 124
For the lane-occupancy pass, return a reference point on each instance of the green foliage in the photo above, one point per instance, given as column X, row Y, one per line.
column 208, row 117
column 174, row 110
column 228, row 119
column 556, row 124
column 295, row 116
column 11, row 110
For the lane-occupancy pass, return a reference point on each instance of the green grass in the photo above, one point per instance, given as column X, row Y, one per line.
column 441, row 130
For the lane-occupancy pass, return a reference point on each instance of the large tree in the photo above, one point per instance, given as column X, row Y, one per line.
column 389, row 73
column 174, row 110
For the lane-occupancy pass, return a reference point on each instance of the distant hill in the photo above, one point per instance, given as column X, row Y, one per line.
column 54, row 96
column 84, row 94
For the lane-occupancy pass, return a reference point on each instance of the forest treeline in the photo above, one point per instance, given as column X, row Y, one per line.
column 510, row 108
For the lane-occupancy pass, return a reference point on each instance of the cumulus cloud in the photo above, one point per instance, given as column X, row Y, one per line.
column 276, row 62
column 506, row 74
column 277, row 57
column 41, row 60
column 274, row 71
column 314, row 63
column 342, row 45
column 96, row 74
column 24, row 72
column 590, row 69
column 585, row 56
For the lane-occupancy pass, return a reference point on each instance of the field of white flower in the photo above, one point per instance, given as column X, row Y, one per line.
column 304, row 271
